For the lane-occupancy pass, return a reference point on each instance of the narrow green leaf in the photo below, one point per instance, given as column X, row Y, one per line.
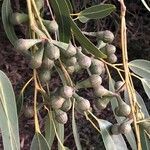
column 75, row 130
column 8, row 27
column 145, row 141
column 61, row 10
column 60, row 132
column 39, row 142
column 140, row 67
column 61, row 45
column 146, row 85
column 85, row 42
column 49, row 131
column 20, row 100
column 8, row 115
column 96, row 12
column 69, row 6
column 115, row 142
column 129, row 136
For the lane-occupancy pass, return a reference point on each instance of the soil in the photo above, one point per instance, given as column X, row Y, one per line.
column 16, row 68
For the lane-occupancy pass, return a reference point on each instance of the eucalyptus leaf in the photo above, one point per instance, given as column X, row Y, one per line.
column 62, row 13
column 75, row 130
column 145, row 141
column 60, row 132
column 115, row 142
column 8, row 27
column 140, row 67
column 8, row 115
column 146, row 85
column 145, row 4
column 49, row 131
column 20, row 100
column 85, row 42
column 96, row 12
column 61, row 45
column 39, row 142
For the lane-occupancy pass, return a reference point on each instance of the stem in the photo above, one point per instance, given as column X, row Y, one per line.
column 126, row 69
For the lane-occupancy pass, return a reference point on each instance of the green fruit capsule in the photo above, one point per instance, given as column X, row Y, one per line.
column 36, row 59
column 118, row 85
column 39, row 4
column 51, row 26
column 61, row 116
column 115, row 129
column 83, row 60
column 106, row 36
column 57, row 102
column 18, row 18
column 97, row 67
column 66, row 92
column 52, row 51
column 102, row 103
column 123, row 109
column 72, row 69
column 29, row 112
column 47, row 63
column 71, row 61
column 112, row 58
column 66, row 106
column 100, row 91
column 22, row 45
column 45, row 75
column 93, row 81
column 110, row 49
column 125, row 128
column 82, row 103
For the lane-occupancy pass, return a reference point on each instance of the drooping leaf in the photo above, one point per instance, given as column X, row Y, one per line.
column 75, row 131
column 145, row 141
column 61, row 10
column 85, row 42
column 129, row 136
column 96, row 12
column 39, row 142
column 60, row 132
column 8, row 115
column 115, row 142
column 20, row 100
column 8, row 27
column 146, row 85
column 49, row 131
column 140, row 67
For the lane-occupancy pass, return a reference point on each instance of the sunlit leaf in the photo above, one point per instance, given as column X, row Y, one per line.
column 145, row 4
column 115, row 142
column 61, row 10
column 75, row 130
column 39, row 142
column 8, row 115
column 96, row 12
column 8, row 27
column 49, row 131
column 85, row 42
column 145, row 141
column 140, row 67
column 146, row 85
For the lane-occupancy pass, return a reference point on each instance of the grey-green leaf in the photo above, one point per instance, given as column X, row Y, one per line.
column 61, row 10
column 96, row 12
column 20, row 100
column 85, row 42
column 39, row 142
column 8, row 115
column 61, row 45
column 146, row 85
column 49, row 131
column 115, row 142
column 145, row 141
column 8, row 27
column 140, row 67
